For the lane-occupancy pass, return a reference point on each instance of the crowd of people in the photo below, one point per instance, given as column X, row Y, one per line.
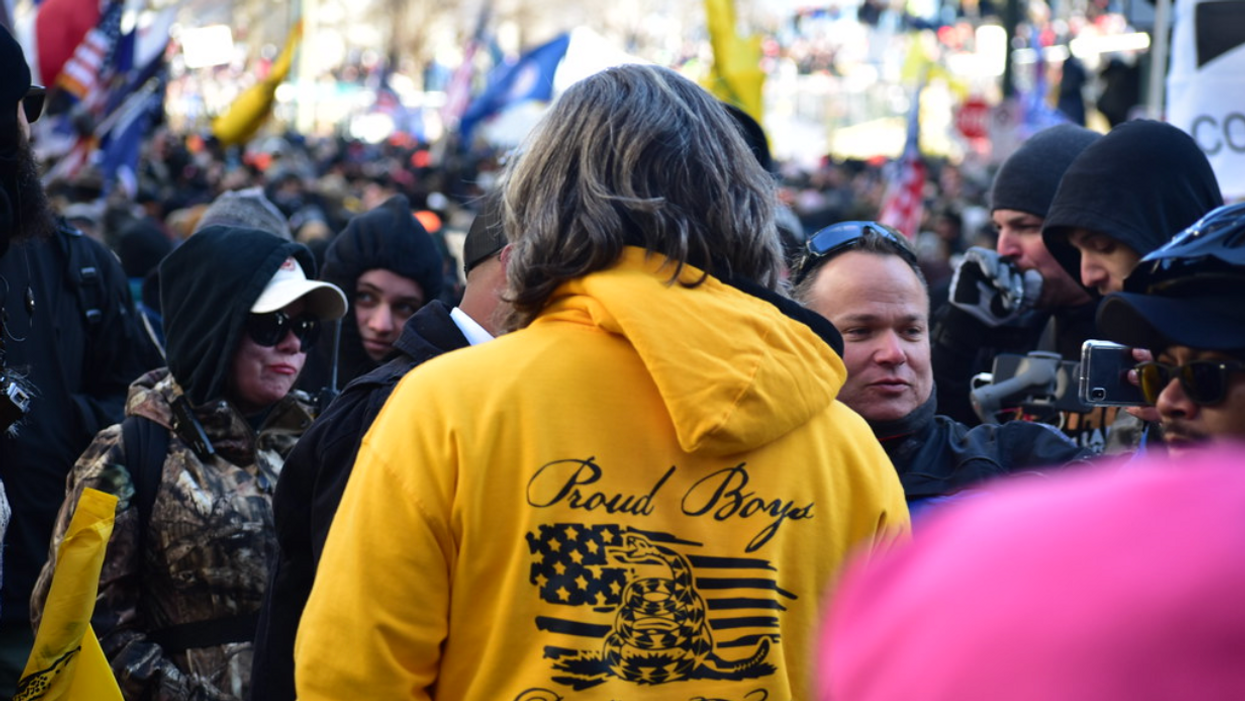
column 626, row 415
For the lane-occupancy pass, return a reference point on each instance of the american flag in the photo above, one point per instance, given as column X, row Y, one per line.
column 458, row 92
column 577, row 567
column 88, row 70
column 903, row 204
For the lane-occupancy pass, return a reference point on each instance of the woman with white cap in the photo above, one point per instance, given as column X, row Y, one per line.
column 195, row 463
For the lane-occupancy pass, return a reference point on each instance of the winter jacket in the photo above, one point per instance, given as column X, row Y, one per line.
column 311, row 487
column 643, row 493
column 206, row 551
column 80, row 347
column 938, row 457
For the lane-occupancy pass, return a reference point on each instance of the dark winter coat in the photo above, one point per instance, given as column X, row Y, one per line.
column 80, row 349
column 937, row 456
column 311, row 487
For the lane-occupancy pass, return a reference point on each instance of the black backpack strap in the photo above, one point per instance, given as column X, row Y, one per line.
column 146, row 446
column 84, row 274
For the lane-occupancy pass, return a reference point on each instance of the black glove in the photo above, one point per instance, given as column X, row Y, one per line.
column 993, row 290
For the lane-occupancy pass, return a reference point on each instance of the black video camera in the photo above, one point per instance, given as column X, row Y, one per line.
column 14, row 398
column 1040, row 384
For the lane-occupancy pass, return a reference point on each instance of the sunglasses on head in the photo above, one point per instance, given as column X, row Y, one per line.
column 270, row 329
column 32, row 103
column 846, row 235
column 1205, row 382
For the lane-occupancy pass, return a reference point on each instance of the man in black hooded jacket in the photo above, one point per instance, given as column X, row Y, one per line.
column 69, row 329
column 318, row 468
column 1124, row 196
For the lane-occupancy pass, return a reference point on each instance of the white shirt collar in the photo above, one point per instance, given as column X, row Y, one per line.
column 473, row 331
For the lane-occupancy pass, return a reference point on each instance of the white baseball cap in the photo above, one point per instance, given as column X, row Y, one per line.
column 324, row 299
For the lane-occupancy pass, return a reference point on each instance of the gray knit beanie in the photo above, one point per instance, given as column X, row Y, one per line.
column 248, row 209
column 1027, row 180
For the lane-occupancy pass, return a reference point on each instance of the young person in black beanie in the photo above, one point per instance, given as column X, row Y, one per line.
column 69, row 335
column 318, row 468
column 195, row 464
column 390, row 267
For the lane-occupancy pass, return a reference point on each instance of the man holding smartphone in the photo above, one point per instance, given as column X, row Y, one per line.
column 1183, row 304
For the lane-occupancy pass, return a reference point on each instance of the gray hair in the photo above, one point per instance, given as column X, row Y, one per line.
column 636, row 155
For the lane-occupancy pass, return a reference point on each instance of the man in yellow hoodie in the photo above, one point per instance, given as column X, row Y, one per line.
column 645, row 489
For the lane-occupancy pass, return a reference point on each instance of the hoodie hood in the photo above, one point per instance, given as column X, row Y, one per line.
column 734, row 371
column 207, row 288
column 386, row 238
column 1141, row 184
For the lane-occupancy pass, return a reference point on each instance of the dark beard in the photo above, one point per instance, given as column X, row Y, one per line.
column 35, row 217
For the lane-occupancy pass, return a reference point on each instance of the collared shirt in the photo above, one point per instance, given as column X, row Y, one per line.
column 475, row 333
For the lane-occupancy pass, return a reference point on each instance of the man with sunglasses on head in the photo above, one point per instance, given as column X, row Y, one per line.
column 864, row 278
column 195, row 464
column 1183, row 303
column 70, row 345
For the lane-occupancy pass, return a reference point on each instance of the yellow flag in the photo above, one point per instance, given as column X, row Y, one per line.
column 66, row 662
column 737, row 77
column 249, row 112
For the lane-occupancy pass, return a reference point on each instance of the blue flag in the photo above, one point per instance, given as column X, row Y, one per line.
column 529, row 78
column 122, row 142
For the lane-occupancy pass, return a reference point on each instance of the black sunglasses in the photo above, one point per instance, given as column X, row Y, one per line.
column 270, row 329
column 1204, row 381
column 32, row 103
column 845, row 235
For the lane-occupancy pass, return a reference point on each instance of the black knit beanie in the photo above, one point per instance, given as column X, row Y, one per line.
column 1027, row 180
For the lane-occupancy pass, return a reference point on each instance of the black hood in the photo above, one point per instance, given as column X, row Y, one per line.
column 388, row 237
column 1141, row 184
column 207, row 288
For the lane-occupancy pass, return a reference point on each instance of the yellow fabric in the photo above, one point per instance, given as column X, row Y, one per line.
column 737, row 77
column 66, row 661
column 514, row 499
column 249, row 112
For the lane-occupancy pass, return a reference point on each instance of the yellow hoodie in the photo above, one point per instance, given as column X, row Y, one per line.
column 644, row 494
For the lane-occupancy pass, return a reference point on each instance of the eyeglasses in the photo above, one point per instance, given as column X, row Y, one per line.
column 846, row 235
column 270, row 329
column 1204, row 381
column 32, row 102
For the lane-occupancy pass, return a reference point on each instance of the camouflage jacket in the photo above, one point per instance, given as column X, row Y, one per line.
column 207, row 550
